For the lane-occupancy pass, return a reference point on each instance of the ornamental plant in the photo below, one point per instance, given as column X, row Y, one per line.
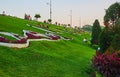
column 54, row 37
column 32, row 36
column 2, row 39
column 107, row 64
column 21, row 41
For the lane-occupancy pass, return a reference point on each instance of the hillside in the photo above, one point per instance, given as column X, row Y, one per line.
column 64, row 58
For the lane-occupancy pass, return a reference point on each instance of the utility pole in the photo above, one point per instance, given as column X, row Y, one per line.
column 51, row 9
column 80, row 22
column 71, row 18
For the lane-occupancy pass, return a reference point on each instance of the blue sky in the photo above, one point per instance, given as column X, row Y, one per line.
column 85, row 10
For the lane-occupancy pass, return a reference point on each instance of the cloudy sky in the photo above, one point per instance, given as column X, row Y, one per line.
column 83, row 11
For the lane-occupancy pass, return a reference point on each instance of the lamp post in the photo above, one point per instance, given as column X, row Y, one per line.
column 80, row 22
column 51, row 9
column 70, row 18
column 50, row 3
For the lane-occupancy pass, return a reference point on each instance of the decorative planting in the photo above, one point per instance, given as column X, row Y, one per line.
column 32, row 36
column 2, row 39
column 22, row 42
column 54, row 37
column 108, row 65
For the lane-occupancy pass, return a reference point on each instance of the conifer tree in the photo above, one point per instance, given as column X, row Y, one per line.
column 96, row 29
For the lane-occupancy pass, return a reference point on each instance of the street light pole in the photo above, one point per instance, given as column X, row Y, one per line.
column 51, row 9
column 80, row 22
column 71, row 18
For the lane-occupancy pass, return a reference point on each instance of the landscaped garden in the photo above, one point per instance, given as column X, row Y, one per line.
column 29, row 48
column 63, row 58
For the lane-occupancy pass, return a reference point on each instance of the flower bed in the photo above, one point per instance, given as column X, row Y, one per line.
column 17, row 36
column 108, row 65
column 32, row 36
column 53, row 37
column 21, row 41
column 2, row 39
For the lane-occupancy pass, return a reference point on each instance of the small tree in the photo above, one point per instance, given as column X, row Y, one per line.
column 37, row 16
column 49, row 20
column 69, row 25
column 96, row 29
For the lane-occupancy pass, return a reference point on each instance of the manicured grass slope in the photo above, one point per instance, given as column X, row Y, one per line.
column 44, row 59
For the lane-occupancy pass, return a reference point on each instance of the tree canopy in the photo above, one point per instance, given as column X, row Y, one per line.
column 37, row 16
column 112, row 14
column 87, row 28
column 109, row 38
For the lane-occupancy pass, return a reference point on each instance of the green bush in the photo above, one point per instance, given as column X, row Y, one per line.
column 105, row 39
column 115, row 44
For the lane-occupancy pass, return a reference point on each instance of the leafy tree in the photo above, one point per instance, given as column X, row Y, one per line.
column 37, row 16
column 112, row 15
column 69, row 25
column 87, row 28
column 96, row 29
column 49, row 20
column 109, row 38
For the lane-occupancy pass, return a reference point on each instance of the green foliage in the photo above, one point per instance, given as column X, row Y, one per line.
column 37, row 16
column 44, row 58
column 96, row 29
column 109, row 38
column 49, row 20
column 87, row 28
column 115, row 44
column 105, row 39
column 117, row 27
column 112, row 13
column 7, row 37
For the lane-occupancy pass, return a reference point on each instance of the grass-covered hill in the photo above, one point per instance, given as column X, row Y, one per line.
column 64, row 58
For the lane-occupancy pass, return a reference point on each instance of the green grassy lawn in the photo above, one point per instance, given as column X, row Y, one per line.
column 7, row 37
column 65, row 58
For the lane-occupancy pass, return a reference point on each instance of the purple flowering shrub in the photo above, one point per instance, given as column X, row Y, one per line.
column 107, row 64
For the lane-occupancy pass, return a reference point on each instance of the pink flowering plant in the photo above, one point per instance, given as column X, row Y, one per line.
column 107, row 64
column 2, row 39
